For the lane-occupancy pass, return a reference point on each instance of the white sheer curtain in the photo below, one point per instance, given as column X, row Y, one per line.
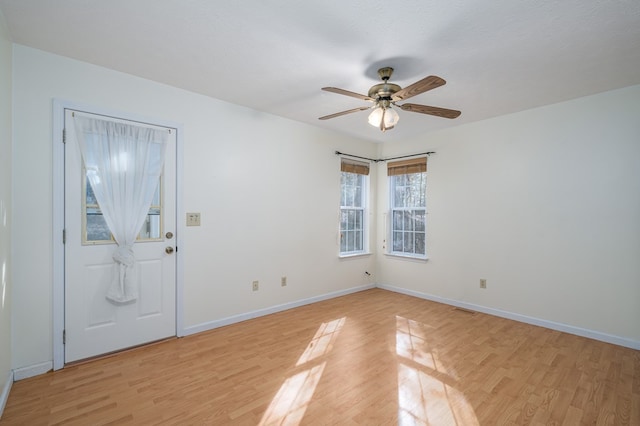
column 123, row 163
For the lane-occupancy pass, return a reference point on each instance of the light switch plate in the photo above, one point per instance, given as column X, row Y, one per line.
column 193, row 219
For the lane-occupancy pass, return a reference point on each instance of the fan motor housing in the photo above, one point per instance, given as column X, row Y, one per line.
column 383, row 90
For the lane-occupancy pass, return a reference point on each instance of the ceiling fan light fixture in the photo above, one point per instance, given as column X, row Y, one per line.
column 391, row 117
column 385, row 95
column 375, row 117
column 383, row 118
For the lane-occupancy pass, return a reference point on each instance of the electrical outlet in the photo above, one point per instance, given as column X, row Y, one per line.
column 283, row 281
column 483, row 283
column 256, row 285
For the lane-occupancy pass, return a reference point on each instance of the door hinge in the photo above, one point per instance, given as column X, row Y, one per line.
column 64, row 337
column 64, row 135
column 64, row 236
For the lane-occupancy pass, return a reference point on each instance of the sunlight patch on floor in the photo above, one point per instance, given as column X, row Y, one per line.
column 411, row 343
column 322, row 342
column 290, row 403
column 426, row 395
column 425, row 400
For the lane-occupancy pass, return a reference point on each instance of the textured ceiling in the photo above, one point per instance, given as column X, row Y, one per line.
column 497, row 56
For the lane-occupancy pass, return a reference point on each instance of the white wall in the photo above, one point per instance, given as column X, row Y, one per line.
column 544, row 204
column 5, row 209
column 267, row 189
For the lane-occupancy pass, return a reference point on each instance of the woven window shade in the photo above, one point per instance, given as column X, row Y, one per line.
column 404, row 167
column 352, row 166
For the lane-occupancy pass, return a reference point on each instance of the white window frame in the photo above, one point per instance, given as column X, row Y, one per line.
column 393, row 209
column 363, row 209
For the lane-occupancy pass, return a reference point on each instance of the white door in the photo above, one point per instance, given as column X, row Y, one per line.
column 94, row 325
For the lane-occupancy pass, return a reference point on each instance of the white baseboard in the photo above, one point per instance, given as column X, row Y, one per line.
column 596, row 335
column 32, row 370
column 271, row 310
column 6, row 388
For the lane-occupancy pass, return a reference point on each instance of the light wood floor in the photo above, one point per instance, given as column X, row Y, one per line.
column 371, row 358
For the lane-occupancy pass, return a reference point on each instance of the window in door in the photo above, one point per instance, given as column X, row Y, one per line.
column 95, row 229
column 408, row 183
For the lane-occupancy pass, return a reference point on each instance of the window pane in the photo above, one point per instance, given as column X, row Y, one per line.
column 397, row 220
column 409, row 190
column 349, row 196
column 351, row 179
column 350, row 240
column 358, row 224
column 343, row 241
column 343, row 219
column 408, row 221
column 408, row 242
column 414, row 189
column 357, row 197
column 156, row 197
column 358, row 241
column 91, row 197
column 397, row 241
column 352, row 220
column 399, row 195
column 97, row 229
column 151, row 226
column 420, row 243
column 419, row 220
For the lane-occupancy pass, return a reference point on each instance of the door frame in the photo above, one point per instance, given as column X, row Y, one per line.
column 59, row 106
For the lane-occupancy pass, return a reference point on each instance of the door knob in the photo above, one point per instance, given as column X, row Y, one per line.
column 169, row 250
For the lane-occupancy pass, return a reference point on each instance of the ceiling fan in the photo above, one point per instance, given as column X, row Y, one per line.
column 384, row 95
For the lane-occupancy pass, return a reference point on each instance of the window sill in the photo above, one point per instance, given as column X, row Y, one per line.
column 352, row 255
column 407, row 257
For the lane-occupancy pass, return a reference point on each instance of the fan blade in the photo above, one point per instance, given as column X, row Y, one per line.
column 347, row 93
column 338, row 114
column 418, row 87
column 424, row 109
